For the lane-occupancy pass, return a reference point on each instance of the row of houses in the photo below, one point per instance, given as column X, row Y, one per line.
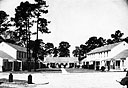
column 14, row 58
column 112, row 57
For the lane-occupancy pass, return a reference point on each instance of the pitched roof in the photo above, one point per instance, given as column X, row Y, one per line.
column 104, row 48
column 121, row 55
column 6, row 56
column 61, row 59
column 19, row 48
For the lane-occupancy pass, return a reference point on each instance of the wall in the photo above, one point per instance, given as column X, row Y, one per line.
column 126, row 63
column 1, row 63
column 119, row 48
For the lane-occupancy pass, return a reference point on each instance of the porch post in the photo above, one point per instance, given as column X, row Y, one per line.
column 94, row 65
column 13, row 66
column 100, row 65
column 39, row 65
column 111, row 64
column 121, row 67
column 21, row 65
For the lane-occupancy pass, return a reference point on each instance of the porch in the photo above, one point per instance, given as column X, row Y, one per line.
column 109, row 65
column 8, row 63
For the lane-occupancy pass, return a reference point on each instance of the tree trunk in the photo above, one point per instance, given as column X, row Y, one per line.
column 35, row 67
column 37, row 28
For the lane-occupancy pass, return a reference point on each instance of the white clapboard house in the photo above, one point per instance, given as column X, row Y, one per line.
column 12, row 57
column 112, row 57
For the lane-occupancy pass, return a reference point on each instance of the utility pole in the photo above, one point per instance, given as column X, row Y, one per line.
column 28, row 48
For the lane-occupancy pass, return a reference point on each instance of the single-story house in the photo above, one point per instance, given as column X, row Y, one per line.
column 58, row 62
column 12, row 57
column 112, row 57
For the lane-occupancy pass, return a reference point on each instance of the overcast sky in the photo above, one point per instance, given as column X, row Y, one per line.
column 75, row 21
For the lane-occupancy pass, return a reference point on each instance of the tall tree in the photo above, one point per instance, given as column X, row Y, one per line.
column 94, row 42
column 109, row 41
column 49, row 48
column 38, row 51
column 64, row 49
column 24, row 20
column 4, row 22
column 11, row 37
column 91, row 43
column 80, row 52
column 76, row 52
column 101, row 41
column 126, row 39
column 6, row 34
column 42, row 23
column 117, row 37
column 55, row 52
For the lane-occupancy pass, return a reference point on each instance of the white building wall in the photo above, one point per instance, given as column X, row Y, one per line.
column 119, row 48
column 126, row 63
column 96, row 55
column 1, row 63
column 121, row 65
column 8, row 49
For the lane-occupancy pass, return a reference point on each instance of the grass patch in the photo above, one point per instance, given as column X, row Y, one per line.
column 6, row 84
column 4, row 80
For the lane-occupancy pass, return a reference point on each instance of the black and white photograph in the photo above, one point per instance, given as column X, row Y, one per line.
column 63, row 43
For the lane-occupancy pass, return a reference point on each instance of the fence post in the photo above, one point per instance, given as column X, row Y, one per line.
column 30, row 79
column 10, row 77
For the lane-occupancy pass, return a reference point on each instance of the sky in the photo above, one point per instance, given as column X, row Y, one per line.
column 75, row 21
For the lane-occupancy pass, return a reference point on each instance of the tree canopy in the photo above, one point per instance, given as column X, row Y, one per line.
column 26, row 14
column 4, row 23
column 117, row 37
column 64, row 49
